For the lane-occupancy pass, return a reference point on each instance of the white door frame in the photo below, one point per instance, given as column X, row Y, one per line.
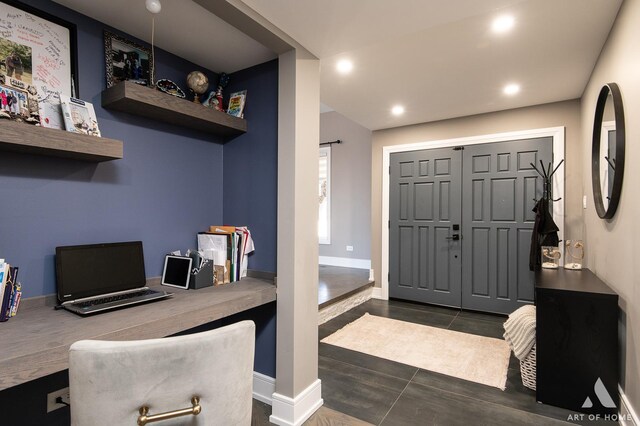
column 557, row 133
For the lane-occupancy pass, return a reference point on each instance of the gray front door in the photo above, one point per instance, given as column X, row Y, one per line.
column 483, row 193
column 500, row 188
column 424, row 262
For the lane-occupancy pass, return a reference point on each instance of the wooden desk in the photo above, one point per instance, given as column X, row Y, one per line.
column 35, row 343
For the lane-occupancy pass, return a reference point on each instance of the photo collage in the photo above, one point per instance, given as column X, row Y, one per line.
column 18, row 97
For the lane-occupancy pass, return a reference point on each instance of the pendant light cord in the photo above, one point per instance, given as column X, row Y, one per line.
column 153, row 53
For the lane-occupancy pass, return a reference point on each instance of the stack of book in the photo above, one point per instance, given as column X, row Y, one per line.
column 232, row 244
column 10, row 291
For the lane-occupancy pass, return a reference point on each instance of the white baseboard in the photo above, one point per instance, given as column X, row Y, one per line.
column 263, row 387
column 377, row 294
column 345, row 262
column 628, row 416
column 293, row 412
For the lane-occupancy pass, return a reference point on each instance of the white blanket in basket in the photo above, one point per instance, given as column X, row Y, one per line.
column 520, row 331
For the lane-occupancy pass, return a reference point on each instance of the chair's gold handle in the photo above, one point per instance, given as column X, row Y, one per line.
column 145, row 418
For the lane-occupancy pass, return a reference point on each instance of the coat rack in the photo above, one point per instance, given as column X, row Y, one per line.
column 612, row 163
column 546, row 175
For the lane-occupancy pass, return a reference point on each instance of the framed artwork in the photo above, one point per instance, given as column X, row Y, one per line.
column 126, row 60
column 37, row 51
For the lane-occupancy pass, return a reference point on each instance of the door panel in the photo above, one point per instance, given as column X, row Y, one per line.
column 499, row 188
column 487, row 189
column 424, row 264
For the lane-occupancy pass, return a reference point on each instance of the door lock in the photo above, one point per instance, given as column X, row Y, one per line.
column 454, row 237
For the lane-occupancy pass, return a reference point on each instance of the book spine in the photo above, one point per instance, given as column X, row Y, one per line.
column 13, row 275
column 5, row 303
column 3, row 283
column 16, row 299
column 16, row 303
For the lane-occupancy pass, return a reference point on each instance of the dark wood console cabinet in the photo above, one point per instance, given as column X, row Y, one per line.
column 577, row 340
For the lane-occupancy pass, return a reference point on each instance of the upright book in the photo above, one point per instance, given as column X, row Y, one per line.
column 6, row 290
column 79, row 116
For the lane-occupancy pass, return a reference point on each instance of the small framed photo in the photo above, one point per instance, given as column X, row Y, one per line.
column 236, row 104
column 14, row 102
column 127, row 60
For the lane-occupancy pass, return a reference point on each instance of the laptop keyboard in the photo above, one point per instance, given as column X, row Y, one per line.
column 104, row 300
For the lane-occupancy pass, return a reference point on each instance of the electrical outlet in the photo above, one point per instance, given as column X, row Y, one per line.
column 349, row 248
column 52, row 405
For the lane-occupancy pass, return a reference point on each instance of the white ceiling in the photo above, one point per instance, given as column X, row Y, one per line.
column 183, row 28
column 437, row 58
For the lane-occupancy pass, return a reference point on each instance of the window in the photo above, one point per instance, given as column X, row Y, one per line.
column 324, row 192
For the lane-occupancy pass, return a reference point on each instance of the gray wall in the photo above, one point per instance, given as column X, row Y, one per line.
column 350, row 187
column 613, row 247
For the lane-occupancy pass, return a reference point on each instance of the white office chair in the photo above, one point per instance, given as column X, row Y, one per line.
column 206, row 377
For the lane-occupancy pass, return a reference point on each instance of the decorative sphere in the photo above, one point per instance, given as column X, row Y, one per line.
column 198, row 82
column 153, row 6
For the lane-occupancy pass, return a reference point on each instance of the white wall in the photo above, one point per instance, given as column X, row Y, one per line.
column 350, row 187
column 613, row 247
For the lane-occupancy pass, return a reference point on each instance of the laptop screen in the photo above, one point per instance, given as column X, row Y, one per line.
column 91, row 270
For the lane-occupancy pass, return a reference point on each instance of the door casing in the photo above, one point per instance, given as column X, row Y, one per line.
column 557, row 133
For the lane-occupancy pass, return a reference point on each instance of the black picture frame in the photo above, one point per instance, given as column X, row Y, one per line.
column 73, row 38
column 614, row 198
column 121, row 66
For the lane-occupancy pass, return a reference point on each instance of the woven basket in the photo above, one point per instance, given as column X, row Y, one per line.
column 528, row 369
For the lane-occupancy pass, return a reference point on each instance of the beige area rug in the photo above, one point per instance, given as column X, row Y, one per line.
column 466, row 356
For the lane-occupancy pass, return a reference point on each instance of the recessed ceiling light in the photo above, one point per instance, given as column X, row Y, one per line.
column 397, row 110
column 344, row 66
column 502, row 24
column 511, row 89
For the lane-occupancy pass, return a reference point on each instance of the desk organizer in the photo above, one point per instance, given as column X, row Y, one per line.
column 203, row 278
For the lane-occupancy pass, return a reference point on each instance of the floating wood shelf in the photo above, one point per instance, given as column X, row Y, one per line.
column 23, row 137
column 141, row 100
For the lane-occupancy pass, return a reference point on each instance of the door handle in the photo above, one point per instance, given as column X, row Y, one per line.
column 454, row 237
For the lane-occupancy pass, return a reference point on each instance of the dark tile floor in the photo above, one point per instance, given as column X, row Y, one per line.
column 384, row 392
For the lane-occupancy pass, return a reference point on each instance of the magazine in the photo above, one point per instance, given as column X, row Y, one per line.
column 51, row 111
column 236, row 104
column 79, row 116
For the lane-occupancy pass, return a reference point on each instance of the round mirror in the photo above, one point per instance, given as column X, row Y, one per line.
column 607, row 151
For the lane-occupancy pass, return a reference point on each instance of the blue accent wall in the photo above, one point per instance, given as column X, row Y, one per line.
column 250, row 191
column 166, row 189
column 171, row 184
column 251, row 163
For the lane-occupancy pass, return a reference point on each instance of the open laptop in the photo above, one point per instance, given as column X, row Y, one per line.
column 99, row 277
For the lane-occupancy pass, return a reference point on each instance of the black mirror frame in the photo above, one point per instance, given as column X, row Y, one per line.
column 614, row 200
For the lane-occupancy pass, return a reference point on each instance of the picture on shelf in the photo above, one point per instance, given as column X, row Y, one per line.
column 126, row 60
column 79, row 116
column 15, row 102
column 15, row 61
column 236, row 104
